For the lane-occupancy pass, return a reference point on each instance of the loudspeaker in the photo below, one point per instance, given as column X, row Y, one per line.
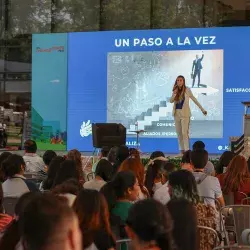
column 108, row 134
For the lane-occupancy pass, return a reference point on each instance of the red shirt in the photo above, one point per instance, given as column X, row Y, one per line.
column 5, row 219
column 245, row 188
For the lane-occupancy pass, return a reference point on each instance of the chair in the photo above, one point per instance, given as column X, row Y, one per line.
column 123, row 244
column 208, row 236
column 229, row 198
column 241, row 219
column 232, row 248
column 9, row 204
column 245, row 201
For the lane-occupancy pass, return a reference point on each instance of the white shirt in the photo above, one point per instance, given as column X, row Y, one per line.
column 94, row 184
column 33, row 162
column 15, row 187
column 162, row 194
column 209, row 187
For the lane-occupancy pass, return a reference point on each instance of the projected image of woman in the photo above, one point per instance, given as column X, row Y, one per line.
column 181, row 111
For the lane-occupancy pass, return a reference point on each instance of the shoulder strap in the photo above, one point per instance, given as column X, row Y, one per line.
column 200, row 180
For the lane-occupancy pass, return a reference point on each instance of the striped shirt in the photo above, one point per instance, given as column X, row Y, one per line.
column 5, row 219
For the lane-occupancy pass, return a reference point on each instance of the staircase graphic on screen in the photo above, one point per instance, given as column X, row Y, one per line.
column 159, row 114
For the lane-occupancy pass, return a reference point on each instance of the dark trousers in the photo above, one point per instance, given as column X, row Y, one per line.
column 197, row 73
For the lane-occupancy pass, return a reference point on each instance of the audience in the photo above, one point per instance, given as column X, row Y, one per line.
column 182, row 184
column 186, row 161
column 47, row 223
column 16, row 184
column 34, row 163
column 68, row 170
column 93, row 214
column 236, row 178
column 103, row 155
column 184, row 217
column 208, row 186
column 149, row 225
column 4, row 218
column 162, row 193
column 116, row 204
column 224, row 161
column 48, row 157
column 126, row 189
column 68, row 189
column 153, row 176
column 11, row 237
column 76, row 156
column 122, row 153
column 209, row 166
column 104, row 170
column 53, row 168
column 134, row 164
column 3, row 157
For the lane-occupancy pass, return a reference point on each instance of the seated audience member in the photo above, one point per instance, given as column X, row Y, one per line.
column 122, row 153
column 236, row 178
column 16, row 184
column 126, row 188
column 48, row 157
column 11, row 238
column 112, row 155
column 153, row 180
column 135, row 165
column 116, row 224
column 34, row 163
column 224, row 161
column 53, row 168
column 184, row 234
column 103, row 155
column 162, row 194
column 209, row 167
column 48, row 223
column 149, row 226
column 68, row 189
column 68, row 170
column 76, row 156
column 104, row 170
column 182, row 184
column 93, row 215
column 3, row 157
column 208, row 186
column 5, row 219
column 186, row 161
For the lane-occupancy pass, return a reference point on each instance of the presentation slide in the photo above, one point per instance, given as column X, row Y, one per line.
column 128, row 76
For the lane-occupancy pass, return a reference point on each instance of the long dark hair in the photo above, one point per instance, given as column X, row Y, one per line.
column 153, row 171
column 224, row 161
column 93, row 214
column 183, row 185
column 180, row 92
column 68, row 170
column 184, row 234
column 150, row 221
column 53, row 168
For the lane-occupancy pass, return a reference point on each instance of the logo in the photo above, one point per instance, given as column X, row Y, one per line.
column 49, row 50
column 86, row 129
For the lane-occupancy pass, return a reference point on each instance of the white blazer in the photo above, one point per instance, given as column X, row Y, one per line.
column 186, row 112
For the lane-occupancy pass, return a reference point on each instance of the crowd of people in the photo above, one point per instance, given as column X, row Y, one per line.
column 157, row 206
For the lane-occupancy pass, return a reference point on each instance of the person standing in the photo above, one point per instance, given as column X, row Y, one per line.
column 181, row 111
column 196, row 69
